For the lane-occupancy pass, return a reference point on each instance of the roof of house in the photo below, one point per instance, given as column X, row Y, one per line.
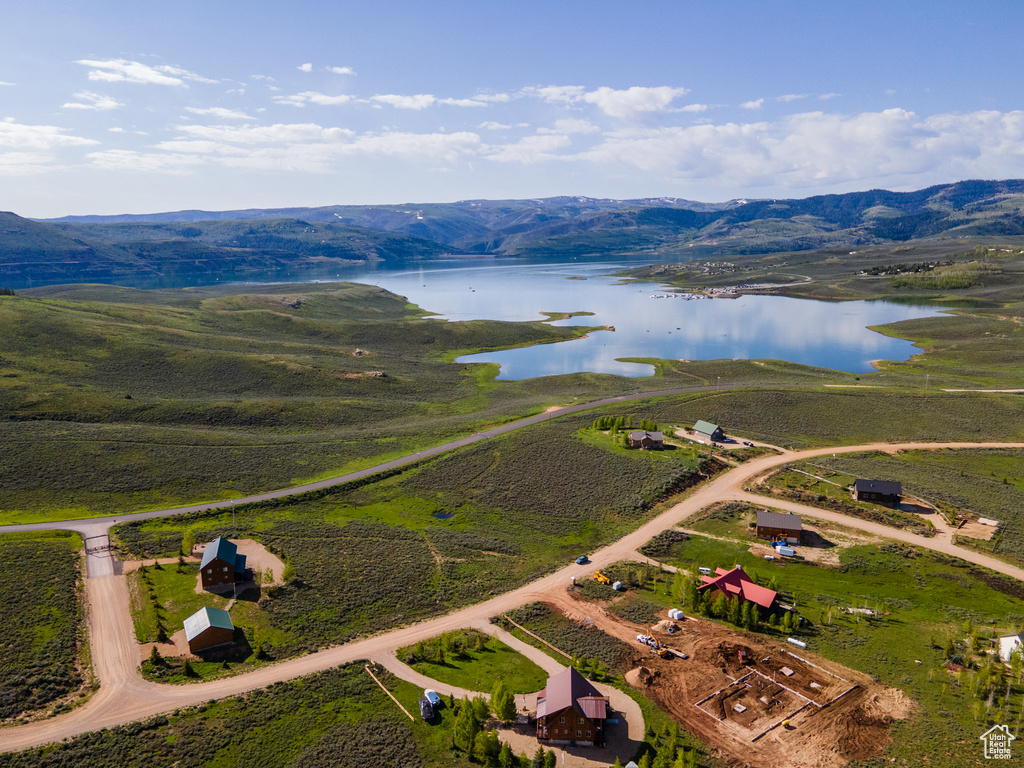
column 705, row 426
column 203, row 619
column 640, row 435
column 789, row 522
column 736, row 582
column 570, row 689
column 223, row 549
column 885, row 487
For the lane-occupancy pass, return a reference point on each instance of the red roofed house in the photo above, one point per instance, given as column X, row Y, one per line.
column 736, row 583
column 570, row 709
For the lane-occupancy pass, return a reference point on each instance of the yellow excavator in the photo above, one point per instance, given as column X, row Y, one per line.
column 602, row 578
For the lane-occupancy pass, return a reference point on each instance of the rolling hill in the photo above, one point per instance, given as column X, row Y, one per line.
column 242, row 242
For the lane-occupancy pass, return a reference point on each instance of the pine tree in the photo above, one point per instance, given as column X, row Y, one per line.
column 466, row 727
column 692, row 595
column 503, row 702
column 550, row 759
column 188, row 542
column 155, row 658
column 538, row 758
column 733, row 610
column 481, row 709
column 718, row 608
column 745, row 615
column 506, row 759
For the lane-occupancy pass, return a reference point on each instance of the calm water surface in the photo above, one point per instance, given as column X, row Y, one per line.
column 818, row 333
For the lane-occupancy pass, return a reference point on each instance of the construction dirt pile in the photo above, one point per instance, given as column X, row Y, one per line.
column 759, row 701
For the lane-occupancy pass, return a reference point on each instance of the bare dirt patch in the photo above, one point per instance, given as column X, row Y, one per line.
column 832, row 714
column 975, row 530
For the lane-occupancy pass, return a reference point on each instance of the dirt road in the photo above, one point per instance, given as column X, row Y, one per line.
column 125, row 696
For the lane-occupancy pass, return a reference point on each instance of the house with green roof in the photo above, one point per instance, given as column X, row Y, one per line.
column 221, row 565
column 708, row 431
column 208, row 628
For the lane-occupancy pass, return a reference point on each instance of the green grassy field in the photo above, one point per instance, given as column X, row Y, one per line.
column 511, row 509
column 472, row 660
column 44, row 654
column 978, row 483
column 918, row 605
column 338, row 718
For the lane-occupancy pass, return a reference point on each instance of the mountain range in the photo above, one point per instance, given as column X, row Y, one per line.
column 246, row 242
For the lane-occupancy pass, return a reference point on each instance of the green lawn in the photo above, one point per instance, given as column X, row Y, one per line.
column 474, row 661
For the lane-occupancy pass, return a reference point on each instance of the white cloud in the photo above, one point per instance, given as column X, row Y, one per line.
column 2, row 83
column 219, row 112
column 92, row 100
column 26, row 163
column 312, row 97
column 816, row 149
column 633, row 101
column 495, row 97
column 791, row 97
column 262, row 134
column 38, row 137
column 419, row 101
column 305, row 147
column 125, row 71
column 755, row 104
column 565, row 94
column 145, row 162
column 530, row 149
column 694, row 108
column 490, row 125
column 462, row 102
column 341, row 70
column 570, row 125
column 422, row 101
column 30, row 149
column 827, row 96
column 626, row 104
column 307, row 67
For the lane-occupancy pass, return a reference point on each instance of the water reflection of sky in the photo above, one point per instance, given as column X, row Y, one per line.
column 826, row 334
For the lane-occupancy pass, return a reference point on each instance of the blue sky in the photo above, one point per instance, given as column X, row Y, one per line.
column 109, row 107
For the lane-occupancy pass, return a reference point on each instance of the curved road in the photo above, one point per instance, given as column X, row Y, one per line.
column 125, row 696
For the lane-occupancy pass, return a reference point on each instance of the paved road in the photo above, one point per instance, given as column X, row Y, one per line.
column 125, row 696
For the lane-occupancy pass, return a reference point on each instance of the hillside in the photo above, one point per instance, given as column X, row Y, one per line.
column 42, row 252
column 245, row 242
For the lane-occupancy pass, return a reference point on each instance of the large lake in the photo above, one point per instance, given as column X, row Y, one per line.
column 647, row 321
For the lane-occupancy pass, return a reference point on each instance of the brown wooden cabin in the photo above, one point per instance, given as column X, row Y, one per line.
column 221, row 564
column 571, row 710
column 886, row 492
column 775, row 526
column 208, row 628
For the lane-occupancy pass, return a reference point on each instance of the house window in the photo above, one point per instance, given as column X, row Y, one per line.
column 588, row 734
column 579, row 733
column 209, row 570
column 225, row 570
column 561, row 719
